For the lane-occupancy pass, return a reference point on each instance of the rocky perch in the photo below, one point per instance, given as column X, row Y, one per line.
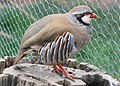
column 28, row 74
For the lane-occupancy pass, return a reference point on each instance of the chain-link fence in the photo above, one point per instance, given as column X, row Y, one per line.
column 103, row 50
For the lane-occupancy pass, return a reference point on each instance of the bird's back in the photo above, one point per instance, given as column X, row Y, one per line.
column 37, row 26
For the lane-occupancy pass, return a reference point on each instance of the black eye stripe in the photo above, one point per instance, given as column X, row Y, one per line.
column 79, row 16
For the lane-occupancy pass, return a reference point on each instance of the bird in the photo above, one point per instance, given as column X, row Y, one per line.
column 56, row 37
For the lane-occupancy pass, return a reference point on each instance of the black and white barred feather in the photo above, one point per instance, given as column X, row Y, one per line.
column 57, row 51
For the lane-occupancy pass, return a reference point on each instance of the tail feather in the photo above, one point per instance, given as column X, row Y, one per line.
column 19, row 56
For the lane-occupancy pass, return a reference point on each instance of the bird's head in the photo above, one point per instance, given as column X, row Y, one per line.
column 83, row 14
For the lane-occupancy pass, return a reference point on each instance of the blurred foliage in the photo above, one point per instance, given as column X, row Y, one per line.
column 103, row 50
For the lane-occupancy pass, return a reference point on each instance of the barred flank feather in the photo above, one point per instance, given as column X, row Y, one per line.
column 57, row 51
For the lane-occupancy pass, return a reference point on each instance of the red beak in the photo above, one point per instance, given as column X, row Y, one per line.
column 93, row 15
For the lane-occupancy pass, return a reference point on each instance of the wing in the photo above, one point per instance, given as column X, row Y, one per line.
column 37, row 26
column 50, row 31
column 57, row 51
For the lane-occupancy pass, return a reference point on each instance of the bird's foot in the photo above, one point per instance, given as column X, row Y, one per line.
column 61, row 70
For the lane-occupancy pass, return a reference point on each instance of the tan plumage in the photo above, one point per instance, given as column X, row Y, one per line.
column 48, row 28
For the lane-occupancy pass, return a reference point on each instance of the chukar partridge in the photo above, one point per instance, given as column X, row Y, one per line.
column 58, row 36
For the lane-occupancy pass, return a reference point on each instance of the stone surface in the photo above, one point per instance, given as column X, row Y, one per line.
column 38, row 75
column 29, row 74
column 2, row 65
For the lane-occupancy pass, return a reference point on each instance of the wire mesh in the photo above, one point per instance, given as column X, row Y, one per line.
column 103, row 50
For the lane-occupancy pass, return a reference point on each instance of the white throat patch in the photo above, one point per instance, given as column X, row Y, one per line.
column 86, row 19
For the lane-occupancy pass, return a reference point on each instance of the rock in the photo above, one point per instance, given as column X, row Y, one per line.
column 88, row 67
column 37, row 75
column 29, row 74
column 96, row 77
column 2, row 65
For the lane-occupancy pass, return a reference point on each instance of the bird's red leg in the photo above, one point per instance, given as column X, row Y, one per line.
column 65, row 72
column 61, row 70
column 56, row 68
